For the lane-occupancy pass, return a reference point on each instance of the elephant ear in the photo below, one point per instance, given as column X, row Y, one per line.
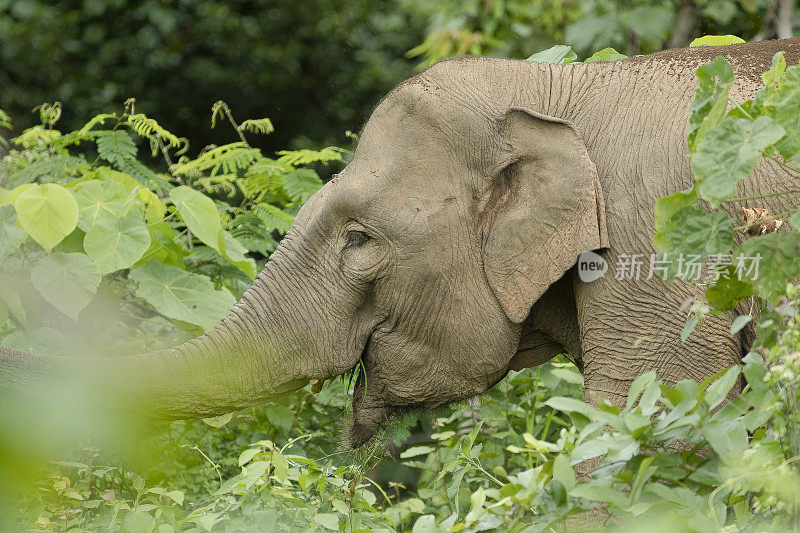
column 543, row 208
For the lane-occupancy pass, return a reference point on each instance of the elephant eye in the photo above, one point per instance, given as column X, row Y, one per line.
column 356, row 238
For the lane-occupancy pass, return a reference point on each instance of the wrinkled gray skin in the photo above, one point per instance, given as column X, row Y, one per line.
column 444, row 254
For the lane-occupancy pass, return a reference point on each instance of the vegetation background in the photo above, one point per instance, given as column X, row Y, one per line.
column 120, row 77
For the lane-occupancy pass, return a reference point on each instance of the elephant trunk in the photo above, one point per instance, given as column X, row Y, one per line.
column 252, row 355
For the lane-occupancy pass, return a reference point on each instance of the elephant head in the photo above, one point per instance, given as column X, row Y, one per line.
column 420, row 261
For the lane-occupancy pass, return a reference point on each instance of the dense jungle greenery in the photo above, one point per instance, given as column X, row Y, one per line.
column 317, row 67
column 193, row 227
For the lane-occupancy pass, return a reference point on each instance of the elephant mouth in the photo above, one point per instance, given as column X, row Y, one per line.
column 366, row 415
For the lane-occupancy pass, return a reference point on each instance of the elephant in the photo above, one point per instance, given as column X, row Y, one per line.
column 445, row 254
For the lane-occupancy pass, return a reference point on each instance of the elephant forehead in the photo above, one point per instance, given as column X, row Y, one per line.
column 420, row 112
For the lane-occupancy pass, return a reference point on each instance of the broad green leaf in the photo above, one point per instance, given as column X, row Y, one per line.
column 67, row 281
column 153, row 207
column 710, row 98
column 98, row 200
column 416, row 451
column 692, row 231
column 606, row 54
column 200, row 215
column 727, row 438
column 182, row 295
column 9, row 197
column 281, row 417
column 728, row 152
column 114, row 244
column 638, row 385
column 48, row 213
column 785, row 101
column 667, row 206
column 327, row 520
column 600, row 493
column 740, row 322
column 571, row 405
column 728, row 290
column 716, row 40
column 563, row 471
column 717, row 390
column 163, row 247
column 234, row 252
column 11, row 235
column 219, row 421
column 41, row 340
column 11, row 299
column 559, row 54
column 766, row 262
column 776, row 71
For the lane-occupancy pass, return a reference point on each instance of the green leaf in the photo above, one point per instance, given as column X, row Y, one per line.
column 48, row 213
column 219, row 421
column 606, row 54
column 327, row 520
column 281, row 417
column 716, row 40
column 11, row 235
column 416, row 451
column 692, row 231
column 200, row 215
column 563, row 471
column 273, row 217
column 559, row 54
column 688, row 328
column 728, row 290
column 773, row 258
column 301, row 183
column 728, row 439
column 740, row 322
column 114, row 145
column 67, row 281
column 99, row 200
column 785, row 101
column 234, row 252
column 718, row 389
column 728, row 152
column 710, row 98
column 114, row 244
column 182, row 295
column 638, row 385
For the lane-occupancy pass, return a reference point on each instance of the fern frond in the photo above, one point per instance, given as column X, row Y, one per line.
column 219, row 109
column 34, row 136
column 262, row 125
column 305, row 156
column 98, row 119
column 139, row 171
column 301, row 183
column 147, row 127
column 273, row 217
column 112, row 145
column 47, row 170
column 228, row 159
column 263, row 179
column 216, row 186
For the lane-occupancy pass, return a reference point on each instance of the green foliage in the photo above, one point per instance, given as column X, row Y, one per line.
column 319, row 66
column 724, row 148
column 77, row 234
column 514, row 27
